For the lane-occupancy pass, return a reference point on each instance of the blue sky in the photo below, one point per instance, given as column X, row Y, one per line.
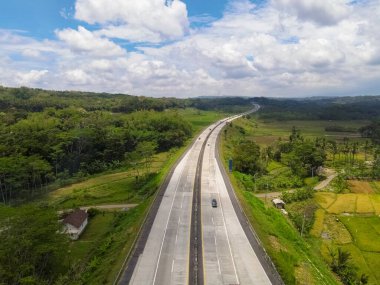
column 192, row 47
column 41, row 18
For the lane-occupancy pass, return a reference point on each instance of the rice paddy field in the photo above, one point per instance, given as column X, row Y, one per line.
column 357, row 234
column 349, row 203
column 349, row 219
column 268, row 131
column 360, row 187
column 352, row 222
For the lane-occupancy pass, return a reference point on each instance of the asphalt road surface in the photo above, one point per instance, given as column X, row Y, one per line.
column 165, row 251
column 228, row 256
column 165, row 259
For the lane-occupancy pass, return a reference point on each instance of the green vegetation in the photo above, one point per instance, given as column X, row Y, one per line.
column 99, row 253
column 294, row 259
column 32, row 250
column 340, row 108
column 97, row 149
column 365, row 232
column 348, row 203
column 288, row 250
column 291, row 152
column 49, row 139
column 55, row 145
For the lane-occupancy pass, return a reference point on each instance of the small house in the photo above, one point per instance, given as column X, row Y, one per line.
column 278, row 203
column 75, row 223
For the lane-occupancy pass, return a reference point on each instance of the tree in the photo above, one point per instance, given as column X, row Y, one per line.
column 295, row 135
column 305, row 157
column 340, row 264
column 32, row 250
column 333, row 148
column 142, row 156
column 246, row 158
column 366, row 148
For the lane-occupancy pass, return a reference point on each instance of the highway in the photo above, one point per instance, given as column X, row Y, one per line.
column 228, row 256
column 187, row 240
column 165, row 258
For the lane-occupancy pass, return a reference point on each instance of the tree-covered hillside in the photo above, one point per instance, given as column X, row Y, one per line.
column 48, row 136
column 340, row 108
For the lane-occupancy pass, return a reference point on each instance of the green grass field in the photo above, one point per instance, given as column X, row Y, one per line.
column 267, row 131
column 200, row 119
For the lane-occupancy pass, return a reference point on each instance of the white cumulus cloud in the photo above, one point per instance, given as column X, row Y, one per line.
column 83, row 40
column 321, row 12
column 30, row 77
column 139, row 21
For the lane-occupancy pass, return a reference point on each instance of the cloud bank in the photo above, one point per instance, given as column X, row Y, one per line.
column 279, row 48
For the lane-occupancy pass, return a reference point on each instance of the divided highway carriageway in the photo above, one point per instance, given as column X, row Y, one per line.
column 186, row 239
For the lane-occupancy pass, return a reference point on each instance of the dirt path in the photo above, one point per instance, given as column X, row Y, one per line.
column 108, row 207
column 331, row 174
column 271, row 195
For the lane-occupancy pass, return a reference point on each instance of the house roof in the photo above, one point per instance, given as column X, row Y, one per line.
column 278, row 201
column 76, row 218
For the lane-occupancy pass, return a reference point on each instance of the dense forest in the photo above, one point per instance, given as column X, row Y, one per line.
column 340, row 108
column 16, row 102
column 49, row 136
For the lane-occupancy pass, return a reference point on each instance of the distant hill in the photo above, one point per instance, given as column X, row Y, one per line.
column 337, row 108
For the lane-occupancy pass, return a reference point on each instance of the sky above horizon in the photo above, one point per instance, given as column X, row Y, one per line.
column 281, row 48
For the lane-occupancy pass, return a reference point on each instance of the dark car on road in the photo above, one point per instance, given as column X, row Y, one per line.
column 214, row 204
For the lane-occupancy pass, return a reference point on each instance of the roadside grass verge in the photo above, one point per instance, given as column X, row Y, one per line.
column 291, row 254
column 104, row 189
column 106, row 257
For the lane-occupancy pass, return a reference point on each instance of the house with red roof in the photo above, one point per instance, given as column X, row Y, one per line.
column 75, row 223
